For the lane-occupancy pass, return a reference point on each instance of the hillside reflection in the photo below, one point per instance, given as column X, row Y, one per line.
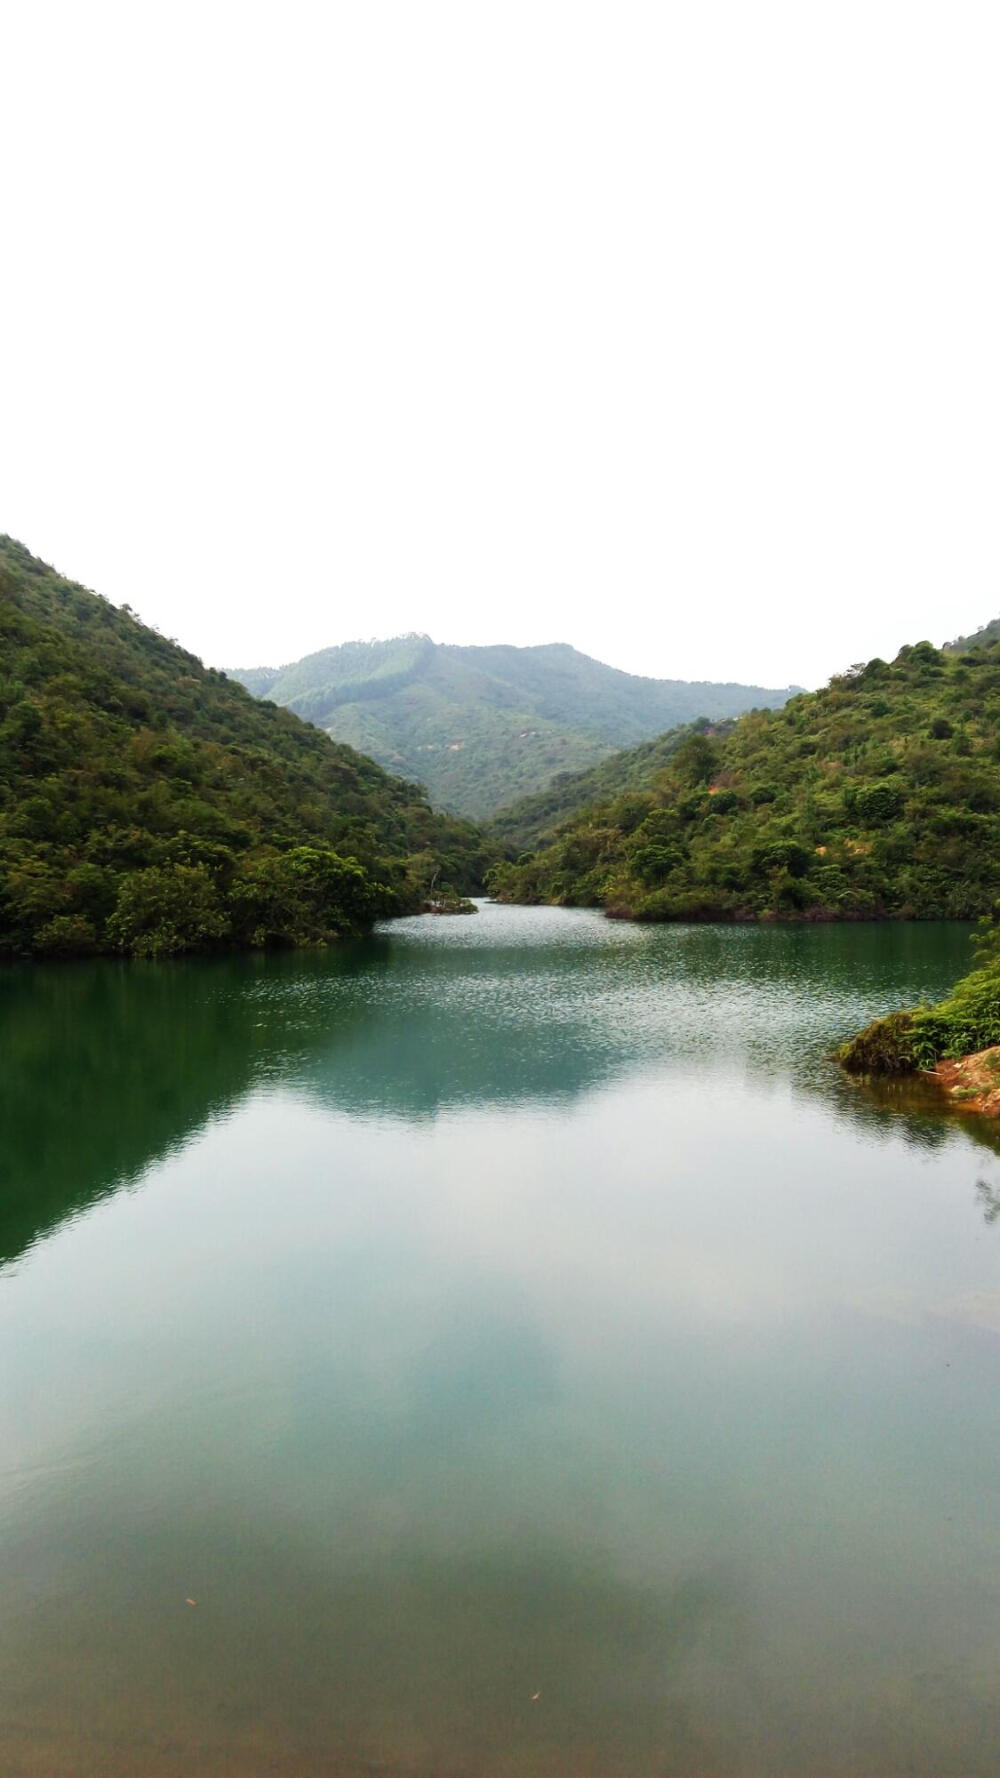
column 108, row 1067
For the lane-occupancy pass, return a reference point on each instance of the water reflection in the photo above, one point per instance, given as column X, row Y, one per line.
column 989, row 1198
column 109, row 1067
column 525, row 1349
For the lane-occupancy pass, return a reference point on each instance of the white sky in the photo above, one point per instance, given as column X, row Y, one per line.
column 669, row 330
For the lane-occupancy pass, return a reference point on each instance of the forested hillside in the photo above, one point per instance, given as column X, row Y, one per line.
column 148, row 804
column 980, row 638
column 535, row 818
column 482, row 727
column 877, row 796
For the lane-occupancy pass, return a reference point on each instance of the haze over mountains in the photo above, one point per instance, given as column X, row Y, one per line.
column 484, row 726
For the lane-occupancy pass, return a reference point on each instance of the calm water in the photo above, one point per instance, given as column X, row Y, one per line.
column 527, row 1352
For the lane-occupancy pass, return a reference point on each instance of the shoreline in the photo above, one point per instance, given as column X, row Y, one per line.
column 972, row 1083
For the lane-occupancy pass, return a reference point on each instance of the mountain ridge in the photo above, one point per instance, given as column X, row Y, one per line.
column 484, row 725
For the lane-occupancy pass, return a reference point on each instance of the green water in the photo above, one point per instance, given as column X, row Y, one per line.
column 528, row 1352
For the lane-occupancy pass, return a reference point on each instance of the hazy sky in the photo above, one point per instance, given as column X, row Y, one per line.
column 670, row 330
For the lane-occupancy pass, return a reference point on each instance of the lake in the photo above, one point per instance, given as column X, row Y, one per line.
column 505, row 1348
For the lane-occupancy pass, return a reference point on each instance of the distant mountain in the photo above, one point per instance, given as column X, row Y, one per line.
column 149, row 805
column 482, row 727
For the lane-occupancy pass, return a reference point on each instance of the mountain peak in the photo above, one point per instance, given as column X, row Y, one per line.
column 482, row 725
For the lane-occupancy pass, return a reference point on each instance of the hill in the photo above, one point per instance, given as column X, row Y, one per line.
column 534, row 819
column 979, row 639
column 482, row 727
column 878, row 796
column 148, row 804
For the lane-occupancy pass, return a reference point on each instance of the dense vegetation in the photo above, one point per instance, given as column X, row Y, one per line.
column 967, row 1021
column 482, row 727
column 149, row 805
column 878, row 796
column 534, row 819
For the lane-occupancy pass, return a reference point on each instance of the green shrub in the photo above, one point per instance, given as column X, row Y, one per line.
column 724, row 802
column 67, row 935
column 782, row 855
column 876, row 803
column 166, row 910
column 651, row 864
column 969, row 1020
column 304, row 896
column 884, row 1047
column 691, row 904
